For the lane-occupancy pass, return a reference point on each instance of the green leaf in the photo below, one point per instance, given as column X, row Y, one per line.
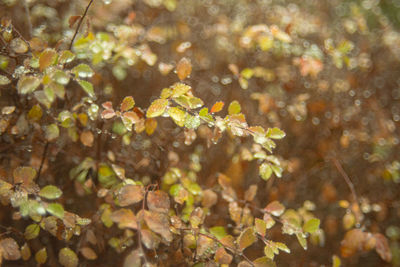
column 246, row 238
column 157, row 108
column 192, row 122
column 50, row 192
column 265, row 171
column 83, row 71
column 27, row 84
column 56, row 210
column 218, row 231
column 234, row 108
column 66, row 57
column 178, row 115
column 68, row 258
column 275, row 133
column 51, row 132
column 277, row 170
column 302, row 240
column 282, row 247
column 87, row 87
column 336, row 262
column 32, row 231
column 311, row 225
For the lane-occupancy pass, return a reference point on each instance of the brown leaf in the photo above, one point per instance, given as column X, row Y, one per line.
column 130, row 194
column 184, row 68
column 72, row 20
column 352, row 243
column 382, row 247
column 125, row 218
column 204, row 246
column 159, row 223
column 87, row 138
column 127, row 104
column 250, row 193
column 158, row 201
column 275, row 208
column 228, row 241
column 150, row 239
column 88, row 253
column 47, row 58
column 222, row 257
column 209, row 198
column 10, row 249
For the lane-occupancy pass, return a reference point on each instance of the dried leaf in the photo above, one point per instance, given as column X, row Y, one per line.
column 158, row 201
column 47, row 58
column 150, row 239
column 87, row 138
column 9, row 249
column 88, row 253
column 125, row 218
column 250, row 193
column 72, row 20
column 382, row 247
column 159, row 223
column 222, row 257
column 130, row 194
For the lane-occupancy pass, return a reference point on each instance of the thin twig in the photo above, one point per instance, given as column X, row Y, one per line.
column 346, row 178
column 79, row 24
column 28, row 18
column 43, row 158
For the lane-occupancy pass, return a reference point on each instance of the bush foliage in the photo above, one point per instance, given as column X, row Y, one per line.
column 152, row 133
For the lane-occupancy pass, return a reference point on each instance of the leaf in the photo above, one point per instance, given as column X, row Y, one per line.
column 261, row 226
column 275, row 133
column 66, row 57
column 179, row 89
column 158, row 201
column 234, row 108
column 27, row 84
column 192, row 122
column 218, row 231
column 302, row 240
column 24, row 175
column 311, row 225
column 83, row 71
column 88, row 253
column 50, row 192
column 25, row 252
column 217, row 107
column 87, row 87
column 150, row 239
column 35, row 113
column 127, row 104
column 72, row 20
column 159, row 223
column 56, row 209
column 67, row 257
column 264, row 262
column 178, row 115
column 51, row 132
column 150, row 125
column 9, row 249
column 184, row 68
column 282, row 247
column 19, row 46
column 205, row 246
column 124, row 218
column 157, row 108
column 87, row 138
column 222, row 257
column 250, row 193
column 228, row 241
column 32, row 231
column 47, row 58
column 4, row 80
column 382, row 247
column 265, row 171
column 336, row 262
column 246, row 238
column 41, row 256
column 210, row 198
column 275, row 208
column 352, row 242
column 130, row 194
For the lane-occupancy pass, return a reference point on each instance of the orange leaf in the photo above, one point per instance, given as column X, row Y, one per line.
column 130, row 194
column 217, row 107
column 184, row 68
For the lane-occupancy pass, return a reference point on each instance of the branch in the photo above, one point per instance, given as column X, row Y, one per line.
column 28, row 17
column 346, row 178
column 79, row 24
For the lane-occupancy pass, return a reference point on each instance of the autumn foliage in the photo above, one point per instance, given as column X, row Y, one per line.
column 199, row 133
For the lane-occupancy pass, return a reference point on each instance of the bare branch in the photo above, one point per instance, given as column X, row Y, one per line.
column 80, row 23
